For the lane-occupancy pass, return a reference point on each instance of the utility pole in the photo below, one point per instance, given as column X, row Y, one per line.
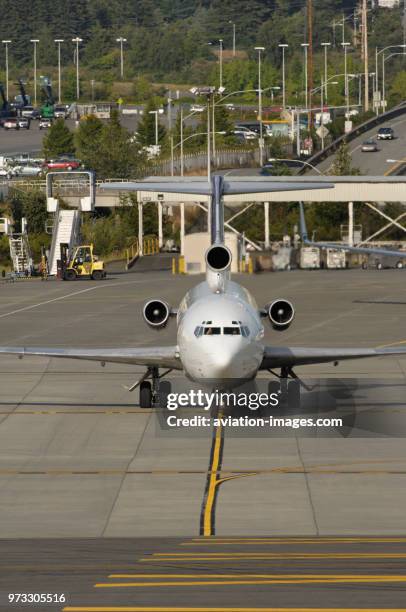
column 365, row 51
column 310, row 58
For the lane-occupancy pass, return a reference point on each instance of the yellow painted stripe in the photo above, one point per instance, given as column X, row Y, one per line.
column 207, row 516
column 284, row 576
column 321, row 540
column 217, row 609
column 211, row 583
column 286, row 555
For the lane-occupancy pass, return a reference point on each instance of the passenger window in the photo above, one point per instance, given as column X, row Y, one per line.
column 212, row 331
column 231, row 331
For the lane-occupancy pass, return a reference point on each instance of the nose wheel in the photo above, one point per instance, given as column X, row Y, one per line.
column 153, row 392
column 288, row 387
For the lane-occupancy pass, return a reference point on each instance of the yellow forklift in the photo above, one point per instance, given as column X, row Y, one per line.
column 82, row 263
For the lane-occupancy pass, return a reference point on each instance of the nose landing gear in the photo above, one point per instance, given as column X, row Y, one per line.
column 288, row 387
column 153, row 392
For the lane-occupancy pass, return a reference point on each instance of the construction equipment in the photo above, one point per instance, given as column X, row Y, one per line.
column 22, row 99
column 83, row 263
column 5, row 109
column 47, row 109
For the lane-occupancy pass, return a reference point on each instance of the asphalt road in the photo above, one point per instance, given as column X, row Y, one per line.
column 374, row 164
column 91, row 484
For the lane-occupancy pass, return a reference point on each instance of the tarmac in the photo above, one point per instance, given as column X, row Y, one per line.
column 90, row 483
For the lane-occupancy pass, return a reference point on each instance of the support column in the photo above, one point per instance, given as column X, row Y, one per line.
column 182, row 228
column 160, row 228
column 266, row 211
column 351, row 223
column 140, row 229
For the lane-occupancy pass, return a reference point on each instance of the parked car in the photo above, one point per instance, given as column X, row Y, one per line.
column 27, row 169
column 369, row 146
column 44, row 123
column 385, row 133
column 63, row 163
column 197, row 108
column 245, row 133
column 11, row 123
column 6, row 172
column 24, row 123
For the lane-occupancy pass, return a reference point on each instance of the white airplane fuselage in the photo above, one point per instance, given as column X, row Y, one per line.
column 220, row 335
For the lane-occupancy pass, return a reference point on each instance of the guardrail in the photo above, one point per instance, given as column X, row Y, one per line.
column 360, row 129
column 150, row 246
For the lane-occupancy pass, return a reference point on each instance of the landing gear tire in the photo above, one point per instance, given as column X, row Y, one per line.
column 145, row 394
column 70, row 275
column 165, row 388
column 97, row 275
column 294, row 394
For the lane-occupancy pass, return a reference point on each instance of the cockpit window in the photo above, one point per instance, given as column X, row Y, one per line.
column 232, row 331
column 212, row 331
column 245, row 331
column 198, row 331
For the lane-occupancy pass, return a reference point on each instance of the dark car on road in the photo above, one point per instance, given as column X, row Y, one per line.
column 385, row 133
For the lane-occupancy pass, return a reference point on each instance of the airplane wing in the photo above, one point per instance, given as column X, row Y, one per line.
column 163, row 357
column 342, row 247
column 290, row 356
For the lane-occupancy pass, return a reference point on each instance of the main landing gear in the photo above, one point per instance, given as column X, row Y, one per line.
column 153, row 392
column 288, row 387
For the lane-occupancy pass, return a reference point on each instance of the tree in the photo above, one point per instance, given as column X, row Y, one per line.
column 342, row 165
column 58, row 141
column 88, row 138
column 146, row 127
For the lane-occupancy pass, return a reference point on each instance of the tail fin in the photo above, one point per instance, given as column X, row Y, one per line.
column 217, row 211
column 303, row 229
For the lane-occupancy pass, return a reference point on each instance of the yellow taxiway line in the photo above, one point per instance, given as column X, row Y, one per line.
column 226, row 541
column 211, row 583
column 217, row 609
column 212, row 486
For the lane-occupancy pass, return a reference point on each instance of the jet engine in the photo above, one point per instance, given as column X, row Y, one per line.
column 156, row 313
column 218, row 258
column 281, row 314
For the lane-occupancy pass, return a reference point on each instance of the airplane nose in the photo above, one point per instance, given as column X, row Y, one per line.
column 224, row 361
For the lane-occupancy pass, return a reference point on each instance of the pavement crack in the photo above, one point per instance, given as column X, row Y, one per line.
column 306, row 478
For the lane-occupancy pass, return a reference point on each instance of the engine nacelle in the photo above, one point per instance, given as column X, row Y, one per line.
column 156, row 313
column 218, row 258
column 281, row 314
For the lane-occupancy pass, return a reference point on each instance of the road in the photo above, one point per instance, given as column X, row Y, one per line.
column 91, row 484
column 374, row 164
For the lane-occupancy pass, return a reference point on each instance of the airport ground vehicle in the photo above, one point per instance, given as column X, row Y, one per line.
column 369, row 146
column 309, row 258
column 30, row 112
column 44, row 123
column 11, row 123
column 60, row 112
column 63, row 163
column 333, row 259
column 23, row 123
column 385, row 133
column 83, row 263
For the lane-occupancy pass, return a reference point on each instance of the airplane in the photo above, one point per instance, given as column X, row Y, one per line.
column 219, row 326
column 304, row 236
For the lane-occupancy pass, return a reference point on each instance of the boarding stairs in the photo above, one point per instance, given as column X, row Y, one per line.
column 66, row 230
column 20, row 254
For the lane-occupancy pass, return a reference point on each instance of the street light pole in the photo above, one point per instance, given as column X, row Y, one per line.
column 6, row 42
column 345, row 45
column 233, row 37
column 326, row 45
column 283, row 47
column 58, row 42
column 121, row 40
column 181, row 140
column 305, row 49
column 77, row 40
column 221, row 61
column 208, row 140
column 35, row 41
column 261, row 139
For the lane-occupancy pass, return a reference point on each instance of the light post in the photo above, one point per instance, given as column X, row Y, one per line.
column 182, row 119
column 35, row 41
column 156, row 113
column 305, row 49
column 261, row 139
column 283, row 47
column 58, row 42
column 377, row 53
column 221, row 61
column 6, row 42
column 233, row 24
column 121, row 40
column 77, row 40
column 345, row 46
column 326, row 45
